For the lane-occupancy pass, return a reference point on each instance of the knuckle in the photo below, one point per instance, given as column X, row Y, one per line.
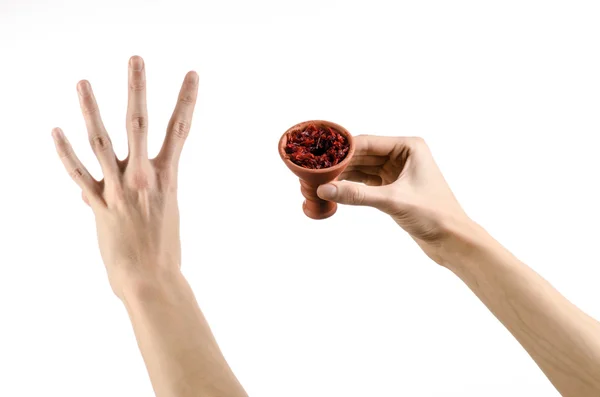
column 89, row 106
column 181, row 129
column 166, row 173
column 187, row 98
column 140, row 181
column 167, row 178
column 76, row 173
column 118, row 192
column 100, row 143
column 137, row 84
column 64, row 151
column 419, row 141
column 356, row 196
column 139, row 123
column 89, row 110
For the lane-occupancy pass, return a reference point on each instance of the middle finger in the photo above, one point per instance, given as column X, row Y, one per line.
column 368, row 160
column 137, row 110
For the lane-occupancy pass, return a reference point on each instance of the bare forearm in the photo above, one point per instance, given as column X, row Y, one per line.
column 180, row 352
column 563, row 341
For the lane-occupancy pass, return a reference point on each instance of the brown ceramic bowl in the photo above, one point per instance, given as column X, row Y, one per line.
column 311, row 179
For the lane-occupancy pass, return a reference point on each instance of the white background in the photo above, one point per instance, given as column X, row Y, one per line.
column 506, row 93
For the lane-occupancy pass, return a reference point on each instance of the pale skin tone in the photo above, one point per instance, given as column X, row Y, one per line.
column 399, row 177
column 137, row 220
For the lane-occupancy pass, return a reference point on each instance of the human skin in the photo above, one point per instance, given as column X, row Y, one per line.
column 137, row 222
column 400, row 177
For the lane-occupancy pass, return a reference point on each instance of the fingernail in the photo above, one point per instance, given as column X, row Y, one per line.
column 84, row 88
column 192, row 77
column 57, row 133
column 137, row 63
column 327, row 192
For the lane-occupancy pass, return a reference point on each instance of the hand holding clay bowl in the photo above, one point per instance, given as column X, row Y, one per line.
column 317, row 152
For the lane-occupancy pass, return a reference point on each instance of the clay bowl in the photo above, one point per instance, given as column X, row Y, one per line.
column 311, row 179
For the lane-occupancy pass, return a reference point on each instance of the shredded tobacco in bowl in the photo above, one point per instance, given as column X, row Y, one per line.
column 316, row 147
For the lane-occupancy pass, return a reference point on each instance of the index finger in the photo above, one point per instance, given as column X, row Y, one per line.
column 181, row 120
column 374, row 145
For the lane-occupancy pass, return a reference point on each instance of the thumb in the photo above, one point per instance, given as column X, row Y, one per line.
column 351, row 193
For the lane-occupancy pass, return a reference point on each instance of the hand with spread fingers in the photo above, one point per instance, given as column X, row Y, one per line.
column 400, row 177
column 135, row 204
column 137, row 221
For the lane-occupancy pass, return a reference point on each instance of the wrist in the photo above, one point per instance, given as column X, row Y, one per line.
column 464, row 240
column 159, row 284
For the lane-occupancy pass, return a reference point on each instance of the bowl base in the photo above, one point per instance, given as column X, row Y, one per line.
column 323, row 210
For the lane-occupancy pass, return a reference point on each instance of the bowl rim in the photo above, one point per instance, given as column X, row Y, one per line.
column 286, row 158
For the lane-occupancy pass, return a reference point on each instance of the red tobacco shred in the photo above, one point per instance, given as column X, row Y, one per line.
column 316, row 147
